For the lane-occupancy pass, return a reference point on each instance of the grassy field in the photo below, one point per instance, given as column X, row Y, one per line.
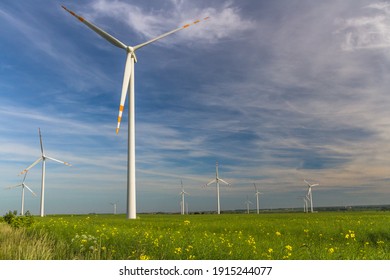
column 278, row 236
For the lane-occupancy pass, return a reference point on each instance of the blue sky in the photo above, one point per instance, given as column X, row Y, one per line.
column 275, row 91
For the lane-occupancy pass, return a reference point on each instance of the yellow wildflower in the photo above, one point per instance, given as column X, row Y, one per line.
column 189, row 247
column 288, row 247
column 178, row 250
column 144, row 257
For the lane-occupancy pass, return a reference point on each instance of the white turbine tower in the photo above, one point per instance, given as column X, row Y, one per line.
column 247, row 202
column 257, row 198
column 306, row 207
column 43, row 158
column 128, row 85
column 23, row 185
column 217, row 180
column 310, row 194
column 304, row 202
column 182, row 203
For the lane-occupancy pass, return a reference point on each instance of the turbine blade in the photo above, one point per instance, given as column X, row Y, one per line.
column 30, row 190
column 212, row 181
column 168, row 33
column 40, row 140
column 223, row 181
column 31, row 166
column 13, row 186
column 59, row 161
column 125, row 87
column 99, row 31
column 24, row 178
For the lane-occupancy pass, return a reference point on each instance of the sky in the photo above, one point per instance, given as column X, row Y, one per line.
column 275, row 91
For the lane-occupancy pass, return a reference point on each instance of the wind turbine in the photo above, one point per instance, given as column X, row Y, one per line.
column 304, row 202
column 309, row 193
column 306, row 208
column 114, row 204
column 257, row 198
column 128, row 85
column 23, row 185
column 182, row 193
column 247, row 202
column 216, row 180
column 43, row 158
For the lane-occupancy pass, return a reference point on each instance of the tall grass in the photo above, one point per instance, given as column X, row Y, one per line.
column 18, row 244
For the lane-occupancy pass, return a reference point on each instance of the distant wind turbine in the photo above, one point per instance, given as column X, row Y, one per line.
column 304, row 202
column 247, row 202
column 43, row 158
column 128, row 85
column 182, row 204
column 217, row 180
column 257, row 198
column 310, row 194
column 114, row 204
column 23, row 185
column 306, row 207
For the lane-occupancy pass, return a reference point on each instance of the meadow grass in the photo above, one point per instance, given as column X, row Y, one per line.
column 278, row 236
column 17, row 244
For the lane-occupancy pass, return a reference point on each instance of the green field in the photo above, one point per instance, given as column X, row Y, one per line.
column 277, row 236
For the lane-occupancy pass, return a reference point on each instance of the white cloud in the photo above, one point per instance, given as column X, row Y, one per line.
column 368, row 31
column 151, row 22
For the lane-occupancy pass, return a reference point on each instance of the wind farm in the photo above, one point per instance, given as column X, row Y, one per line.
column 290, row 108
column 188, row 114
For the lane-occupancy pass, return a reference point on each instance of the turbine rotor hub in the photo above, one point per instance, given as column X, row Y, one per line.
column 131, row 50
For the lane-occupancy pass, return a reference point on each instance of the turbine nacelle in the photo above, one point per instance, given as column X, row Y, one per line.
column 311, row 185
column 130, row 50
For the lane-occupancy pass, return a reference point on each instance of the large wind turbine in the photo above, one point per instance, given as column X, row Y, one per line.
column 43, row 158
column 309, row 193
column 23, row 185
column 182, row 193
column 217, row 180
column 257, row 198
column 128, row 85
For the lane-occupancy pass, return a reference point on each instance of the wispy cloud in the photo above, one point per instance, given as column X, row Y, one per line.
column 370, row 31
column 150, row 22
